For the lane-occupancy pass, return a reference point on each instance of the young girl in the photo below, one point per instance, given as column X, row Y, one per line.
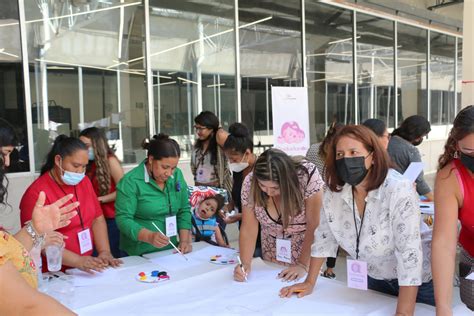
column 205, row 225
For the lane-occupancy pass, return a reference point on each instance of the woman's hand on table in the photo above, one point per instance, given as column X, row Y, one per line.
column 292, row 273
column 53, row 238
column 90, row 264
column 185, row 246
column 109, row 260
column 158, row 240
column 239, row 274
column 300, row 289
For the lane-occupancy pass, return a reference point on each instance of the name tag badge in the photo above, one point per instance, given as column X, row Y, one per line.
column 171, row 227
column 85, row 240
column 357, row 274
column 283, row 250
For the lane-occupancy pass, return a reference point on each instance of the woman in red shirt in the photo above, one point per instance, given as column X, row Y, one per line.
column 62, row 174
column 104, row 171
column 454, row 199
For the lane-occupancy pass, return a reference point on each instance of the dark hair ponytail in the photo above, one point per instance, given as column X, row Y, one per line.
column 239, row 139
column 161, row 146
column 63, row 146
column 413, row 127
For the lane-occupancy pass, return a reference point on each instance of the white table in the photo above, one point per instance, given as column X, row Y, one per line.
column 205, row 288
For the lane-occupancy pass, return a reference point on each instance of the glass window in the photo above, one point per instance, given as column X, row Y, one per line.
column 193, row 64
column 270, row 55
column 442, row 49
column 12, row 100
column 86, row 69
column 375, row 56
column 329, row 65
column 412, row 50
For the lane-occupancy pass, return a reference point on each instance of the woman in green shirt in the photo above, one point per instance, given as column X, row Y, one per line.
column 155, row 192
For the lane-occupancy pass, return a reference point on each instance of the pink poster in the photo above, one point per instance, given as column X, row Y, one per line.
column 290, row 120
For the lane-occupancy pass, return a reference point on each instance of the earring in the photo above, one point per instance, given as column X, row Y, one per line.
column 456, row 155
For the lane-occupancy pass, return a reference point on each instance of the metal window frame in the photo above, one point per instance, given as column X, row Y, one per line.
column 149, row 74
column 26, row 83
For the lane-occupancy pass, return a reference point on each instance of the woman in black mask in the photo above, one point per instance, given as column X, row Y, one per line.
column 402, row 148
column 371, row 211
column 454, row 199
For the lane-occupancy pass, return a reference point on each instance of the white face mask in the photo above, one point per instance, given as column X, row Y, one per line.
column 238, row 166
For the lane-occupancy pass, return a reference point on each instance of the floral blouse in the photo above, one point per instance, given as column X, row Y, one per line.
column 11, row 249
column 270, row 229
column 390, row 240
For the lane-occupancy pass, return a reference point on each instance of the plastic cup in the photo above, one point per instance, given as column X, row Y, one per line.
column 54, row 257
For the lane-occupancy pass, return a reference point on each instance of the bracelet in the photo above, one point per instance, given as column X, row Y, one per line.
column 302, row 266
column 37, row 238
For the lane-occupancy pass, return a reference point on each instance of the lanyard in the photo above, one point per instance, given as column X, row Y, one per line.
column 358, row 232
column 279, row 216
column 169, row 201
column 77, row 200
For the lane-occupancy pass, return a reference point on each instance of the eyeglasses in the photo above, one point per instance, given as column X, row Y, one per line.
column 199, row 128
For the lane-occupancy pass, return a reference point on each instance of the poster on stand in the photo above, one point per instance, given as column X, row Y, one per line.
column 290, row 120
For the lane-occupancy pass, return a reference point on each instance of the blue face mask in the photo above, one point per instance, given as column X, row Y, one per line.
column 71, row 178
column 91, row 153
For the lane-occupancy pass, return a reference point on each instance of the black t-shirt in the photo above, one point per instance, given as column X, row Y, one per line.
column 236, row 197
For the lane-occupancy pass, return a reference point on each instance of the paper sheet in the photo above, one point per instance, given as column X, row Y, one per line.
column 413, row 170
column 217, row 293
column 175, row 262
column 82, row 278
column 470, row 276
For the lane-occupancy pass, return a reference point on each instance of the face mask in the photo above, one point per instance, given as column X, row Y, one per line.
column 351, row 170
column 417, row 142
column 467, row 161
column 71, row 178
column 91, row 153
column 238, row 166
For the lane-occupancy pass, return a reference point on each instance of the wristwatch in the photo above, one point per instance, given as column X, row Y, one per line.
column 37, row 238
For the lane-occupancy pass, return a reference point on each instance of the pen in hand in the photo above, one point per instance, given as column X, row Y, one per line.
column 242, row 267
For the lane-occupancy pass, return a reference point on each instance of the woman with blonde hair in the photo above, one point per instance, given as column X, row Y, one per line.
column 104, row 171
column 284, row 195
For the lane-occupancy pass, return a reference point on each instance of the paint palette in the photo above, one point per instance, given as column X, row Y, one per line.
column 152, row 277
column 223, row 259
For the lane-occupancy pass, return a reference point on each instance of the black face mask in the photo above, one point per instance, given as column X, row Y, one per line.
column 417, row 142
column 467, row 161
column 351, row 170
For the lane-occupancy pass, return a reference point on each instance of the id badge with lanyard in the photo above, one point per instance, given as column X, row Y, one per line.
column 283, row 245
column 170, row 221
column 357, row 269
column 84, row 235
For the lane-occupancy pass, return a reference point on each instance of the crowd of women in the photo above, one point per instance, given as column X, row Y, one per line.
column 348, row 193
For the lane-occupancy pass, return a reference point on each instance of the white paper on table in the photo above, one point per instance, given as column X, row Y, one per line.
column 82, row 278
column 175, row 262
column 216, row 293
column 413, row 171
column 206, row 253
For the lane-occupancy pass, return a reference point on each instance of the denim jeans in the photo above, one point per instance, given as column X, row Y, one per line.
column 425, row 291
column 114, row 238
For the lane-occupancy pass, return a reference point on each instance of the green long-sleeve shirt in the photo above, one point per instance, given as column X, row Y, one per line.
column 140, row 202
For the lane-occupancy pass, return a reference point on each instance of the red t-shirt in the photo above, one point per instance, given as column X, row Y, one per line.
column 466, row 213
column 83, row 192
column 107, row 208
